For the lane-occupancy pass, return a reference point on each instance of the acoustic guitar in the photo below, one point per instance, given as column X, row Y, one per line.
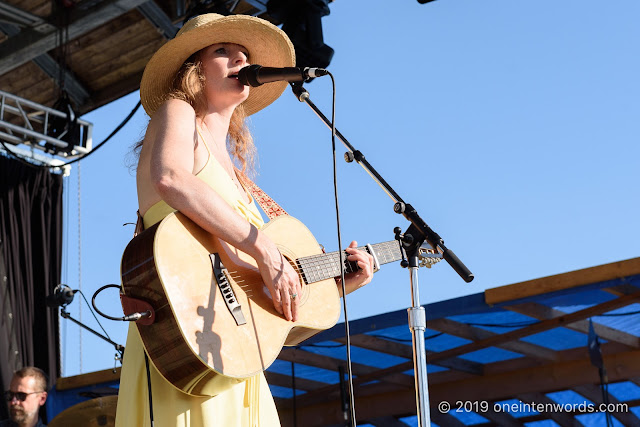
column 211, row 314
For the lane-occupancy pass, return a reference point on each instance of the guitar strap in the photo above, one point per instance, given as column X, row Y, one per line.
column 139, row 225
column 268, row 205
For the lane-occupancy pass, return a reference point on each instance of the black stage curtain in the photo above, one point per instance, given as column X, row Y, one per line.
column 30, row 267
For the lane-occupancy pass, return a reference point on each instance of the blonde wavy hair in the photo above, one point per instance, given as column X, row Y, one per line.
column 188, row 86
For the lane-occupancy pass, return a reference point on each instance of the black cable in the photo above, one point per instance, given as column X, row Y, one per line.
column 146, row 359
column 340, row 251
column 504, row 325
column 93, row 301
column 94, row 314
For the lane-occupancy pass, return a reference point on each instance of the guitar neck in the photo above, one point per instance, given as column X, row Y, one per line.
column 325, row 266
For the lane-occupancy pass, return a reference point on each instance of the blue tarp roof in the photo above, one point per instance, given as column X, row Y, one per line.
column 544, row 332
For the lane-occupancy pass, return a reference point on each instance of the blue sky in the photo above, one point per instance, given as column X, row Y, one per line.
column 512, row 127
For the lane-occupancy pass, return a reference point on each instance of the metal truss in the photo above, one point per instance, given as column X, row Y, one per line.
column 43, row 128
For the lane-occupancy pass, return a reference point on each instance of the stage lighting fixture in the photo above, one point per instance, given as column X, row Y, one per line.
column 302, row 21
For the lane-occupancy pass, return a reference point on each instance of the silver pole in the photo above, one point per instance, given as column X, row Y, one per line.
column 418, row 324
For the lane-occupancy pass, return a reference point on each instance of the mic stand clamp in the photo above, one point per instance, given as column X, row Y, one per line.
column 119, row 348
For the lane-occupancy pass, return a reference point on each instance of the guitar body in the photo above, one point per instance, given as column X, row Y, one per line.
column 194, row 339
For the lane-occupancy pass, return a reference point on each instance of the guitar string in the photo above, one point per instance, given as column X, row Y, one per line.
column 323, row 266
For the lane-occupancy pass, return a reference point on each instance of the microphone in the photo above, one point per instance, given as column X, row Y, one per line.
column 62, row 295
column 257, row 75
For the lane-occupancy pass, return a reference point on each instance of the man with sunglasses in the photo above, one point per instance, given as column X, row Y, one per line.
column 26, row 394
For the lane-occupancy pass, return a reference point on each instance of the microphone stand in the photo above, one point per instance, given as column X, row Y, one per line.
column 417, row 233
column 119, row 348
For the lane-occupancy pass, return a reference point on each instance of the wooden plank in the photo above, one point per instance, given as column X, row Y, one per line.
column 41, row 8
column 22, row 78
column 385, row 422
column 402, row 350
column 564, row 419
column 615, row 270
column 332, row 364
column 542, row 312
column 282, row 380
column 546, row 378
column 474, row 333
column 563, row 356
column 30, row 43
column 503, row 419
column 110, row 93
column 594, row 394
column 108, row 45
column 120, row 68
column 93, row 42
column 91, row 378
column 446, row 419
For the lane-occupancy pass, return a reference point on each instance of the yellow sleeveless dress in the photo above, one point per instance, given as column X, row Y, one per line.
column 246, row 404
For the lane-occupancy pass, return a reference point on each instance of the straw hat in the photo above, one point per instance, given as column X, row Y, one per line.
column 267, row 45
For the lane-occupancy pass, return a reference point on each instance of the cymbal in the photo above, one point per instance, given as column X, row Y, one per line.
column 100, row 412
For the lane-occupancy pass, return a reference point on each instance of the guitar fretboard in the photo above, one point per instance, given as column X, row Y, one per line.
column 325, row 266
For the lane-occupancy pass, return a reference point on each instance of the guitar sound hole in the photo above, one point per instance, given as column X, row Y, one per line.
column 301, row 297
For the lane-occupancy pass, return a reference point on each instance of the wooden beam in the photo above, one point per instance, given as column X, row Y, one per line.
column 76, row 90
column 446, row 419
column 283, row 380
column 594, row 394
column 577, row 353
column 91, row 378
column 113, row 92
column 402, row 350
column 624, row 289
column 542, row 312
column 31, row 43
column 156, row 16
column 587, row 276
column 546, row 378
column 474, row 333
column 332, row 364
column 386, row 422
column 501, row 418
column 563, row 419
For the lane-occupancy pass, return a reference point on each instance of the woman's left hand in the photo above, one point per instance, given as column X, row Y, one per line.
column 364, row 274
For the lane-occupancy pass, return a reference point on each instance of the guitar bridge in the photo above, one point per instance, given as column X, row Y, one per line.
column 226, row 290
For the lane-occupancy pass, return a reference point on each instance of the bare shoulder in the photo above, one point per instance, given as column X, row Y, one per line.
column 171, row 114
column 173, row 124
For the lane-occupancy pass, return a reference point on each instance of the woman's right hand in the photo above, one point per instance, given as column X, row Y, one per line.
column 281, row 280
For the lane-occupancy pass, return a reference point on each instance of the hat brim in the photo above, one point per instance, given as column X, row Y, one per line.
column 267, row 45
